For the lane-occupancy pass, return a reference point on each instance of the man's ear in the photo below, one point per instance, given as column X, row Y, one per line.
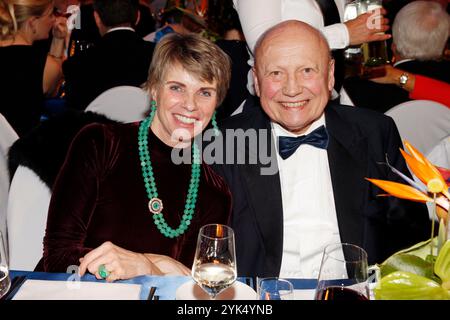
column 331, row 75
column 255, row 82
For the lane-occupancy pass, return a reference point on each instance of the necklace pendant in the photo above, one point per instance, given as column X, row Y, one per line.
column 155, row 205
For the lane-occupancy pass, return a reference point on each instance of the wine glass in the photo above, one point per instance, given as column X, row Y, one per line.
column 5, row 281
column 214, row 267
column 344, row 273
column 275, row 289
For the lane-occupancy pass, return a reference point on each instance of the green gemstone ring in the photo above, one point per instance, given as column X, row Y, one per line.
column 102, row 271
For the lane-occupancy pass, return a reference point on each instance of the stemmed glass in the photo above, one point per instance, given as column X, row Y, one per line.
column 344, row 273
column 5, row 281
column 214, row 267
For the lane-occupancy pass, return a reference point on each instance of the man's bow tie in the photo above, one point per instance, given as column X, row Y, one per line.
column 317, row 138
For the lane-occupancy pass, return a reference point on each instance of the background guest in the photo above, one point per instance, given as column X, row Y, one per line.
column 121, row 57
column 419, row 34
column 27, row 73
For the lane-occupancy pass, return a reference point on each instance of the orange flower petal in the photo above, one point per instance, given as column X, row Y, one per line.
column 400, row 190
column 421, row 167
column 414, row 152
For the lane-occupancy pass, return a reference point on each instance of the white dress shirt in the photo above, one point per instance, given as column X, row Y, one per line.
column 309, row 214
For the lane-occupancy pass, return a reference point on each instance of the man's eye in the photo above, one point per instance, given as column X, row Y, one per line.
column 276, row 73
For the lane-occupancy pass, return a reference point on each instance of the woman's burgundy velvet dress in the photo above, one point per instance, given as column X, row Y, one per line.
column 99, row 196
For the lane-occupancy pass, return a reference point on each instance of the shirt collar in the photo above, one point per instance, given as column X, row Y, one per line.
column 120, row 28
column 280, row 131
column 402, row 61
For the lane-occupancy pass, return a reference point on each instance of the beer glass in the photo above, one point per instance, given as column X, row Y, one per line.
column 375, row 52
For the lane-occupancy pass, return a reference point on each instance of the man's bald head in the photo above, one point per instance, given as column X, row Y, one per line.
column 299, row 28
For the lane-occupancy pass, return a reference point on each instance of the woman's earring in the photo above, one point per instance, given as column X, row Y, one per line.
column 214, row 125
column 153, row 106
column 152, row 109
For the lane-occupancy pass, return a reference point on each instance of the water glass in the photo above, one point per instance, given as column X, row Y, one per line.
column 275, row 289
column 5, row 281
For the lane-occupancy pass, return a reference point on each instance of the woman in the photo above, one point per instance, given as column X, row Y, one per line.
column 27, row 73
column 120, row 206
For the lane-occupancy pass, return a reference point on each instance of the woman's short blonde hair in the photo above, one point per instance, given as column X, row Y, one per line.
column 198, row 56
column 13, row 13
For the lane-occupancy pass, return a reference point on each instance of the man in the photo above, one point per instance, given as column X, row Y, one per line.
column 284, row 218
column 121, row 57
column 420, row 32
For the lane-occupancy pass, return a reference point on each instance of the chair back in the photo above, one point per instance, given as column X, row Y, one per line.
column 122, row 103
column 423, row 123
column 26, row 220
column 426, row 125
column 7, row 137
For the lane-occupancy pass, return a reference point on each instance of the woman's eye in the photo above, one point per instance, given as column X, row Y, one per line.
column 206, row 93
column 175, row 88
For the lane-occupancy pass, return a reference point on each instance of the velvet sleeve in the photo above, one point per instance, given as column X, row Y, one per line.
column 431, row 89
column 74, row 198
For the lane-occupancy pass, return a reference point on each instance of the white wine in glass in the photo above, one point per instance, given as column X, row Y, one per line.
column 214, row 268
column 5, row 281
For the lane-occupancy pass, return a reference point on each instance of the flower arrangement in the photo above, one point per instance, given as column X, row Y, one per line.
column 423, row 270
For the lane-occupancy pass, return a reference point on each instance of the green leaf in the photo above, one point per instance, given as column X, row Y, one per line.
column 409, row 263
column 401, row 285
column 442, row 265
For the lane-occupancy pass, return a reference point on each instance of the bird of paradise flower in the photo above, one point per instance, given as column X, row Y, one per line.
column 435, row 190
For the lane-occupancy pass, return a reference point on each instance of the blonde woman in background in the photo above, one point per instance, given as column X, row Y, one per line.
column 28, row 74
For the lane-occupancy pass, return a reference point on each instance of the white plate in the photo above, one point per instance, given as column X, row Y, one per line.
column 238, row 291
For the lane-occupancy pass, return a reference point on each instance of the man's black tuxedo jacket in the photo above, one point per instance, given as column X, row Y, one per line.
column 382, row 97
column 359, row 140
column 120, row 58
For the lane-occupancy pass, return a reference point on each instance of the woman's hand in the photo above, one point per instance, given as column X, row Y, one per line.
column 167, row 266
column 60, row 30
column 391, row 75
column 120, row 263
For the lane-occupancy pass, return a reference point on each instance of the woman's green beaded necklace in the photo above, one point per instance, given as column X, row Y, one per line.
column 155, row 204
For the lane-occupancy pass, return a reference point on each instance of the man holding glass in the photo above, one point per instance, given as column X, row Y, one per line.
column 322, row 152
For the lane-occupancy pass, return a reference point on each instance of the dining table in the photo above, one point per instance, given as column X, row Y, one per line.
column 152, row 287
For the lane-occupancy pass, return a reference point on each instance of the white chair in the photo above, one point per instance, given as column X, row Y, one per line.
column 440, row 154
column 26, row 220
column 122, row 103
column 426, row 125
column 423, row 123
column 7, row 137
